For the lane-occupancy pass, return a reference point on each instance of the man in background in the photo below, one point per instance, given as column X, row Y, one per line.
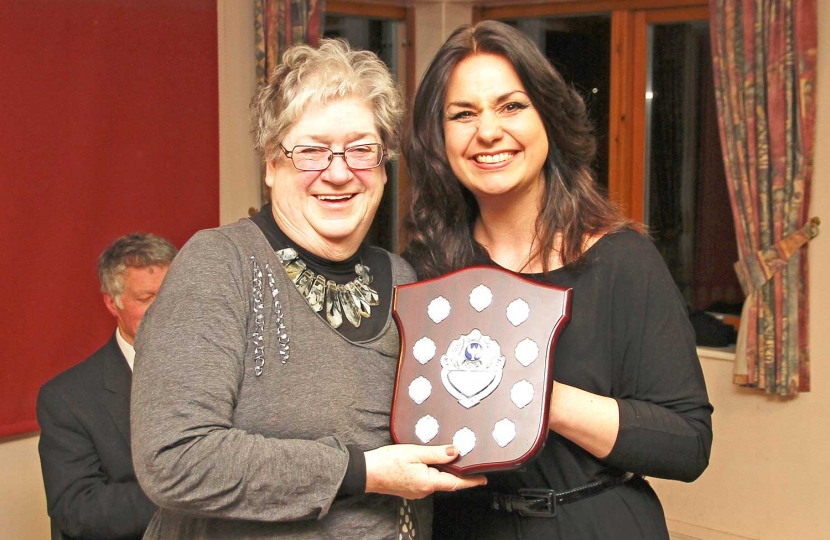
column 84, row 412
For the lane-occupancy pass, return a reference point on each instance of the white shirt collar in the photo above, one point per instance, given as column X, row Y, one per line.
column 126, row 348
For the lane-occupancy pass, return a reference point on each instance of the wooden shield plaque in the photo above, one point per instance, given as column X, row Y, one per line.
column 476, row 365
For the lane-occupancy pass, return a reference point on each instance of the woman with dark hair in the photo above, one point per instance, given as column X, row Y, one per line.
column 499, row 152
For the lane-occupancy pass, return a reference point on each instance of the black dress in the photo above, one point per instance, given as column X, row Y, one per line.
column 629, row 338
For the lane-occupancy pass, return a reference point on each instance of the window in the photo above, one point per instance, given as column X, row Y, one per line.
column 647, row 80
column 687, row 201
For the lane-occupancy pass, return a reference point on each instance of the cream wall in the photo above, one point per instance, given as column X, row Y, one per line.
column 238, row 162
column 766, row 478
column 22, row 499
column 434, row 21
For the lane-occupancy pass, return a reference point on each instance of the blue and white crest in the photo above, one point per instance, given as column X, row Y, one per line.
column 472, row 368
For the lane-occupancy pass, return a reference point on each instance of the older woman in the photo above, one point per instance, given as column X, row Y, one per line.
column 500, row 156
column 264, row 375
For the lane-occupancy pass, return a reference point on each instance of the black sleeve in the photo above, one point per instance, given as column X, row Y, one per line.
column 665, row 414
column 354, row 482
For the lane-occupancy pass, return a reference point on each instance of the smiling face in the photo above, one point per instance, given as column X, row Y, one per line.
column 495, row 140
column 328, row 212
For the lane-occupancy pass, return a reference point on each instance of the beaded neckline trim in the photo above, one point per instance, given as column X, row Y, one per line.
column 353, row 300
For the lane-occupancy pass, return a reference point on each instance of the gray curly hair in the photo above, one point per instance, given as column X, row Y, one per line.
column 313, row 77
column 137, row 250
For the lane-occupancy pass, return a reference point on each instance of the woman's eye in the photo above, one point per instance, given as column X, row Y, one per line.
column 462, row 115
column 514, row 106
column 359, row 150
column 311, row 151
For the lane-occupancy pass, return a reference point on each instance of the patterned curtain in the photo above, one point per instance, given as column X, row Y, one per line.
column 278, row 24
column 764, row 58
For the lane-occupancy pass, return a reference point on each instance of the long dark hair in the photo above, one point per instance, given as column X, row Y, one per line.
column 442, row 211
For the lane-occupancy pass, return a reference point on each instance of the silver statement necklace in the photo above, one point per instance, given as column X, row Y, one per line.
column 352, row 300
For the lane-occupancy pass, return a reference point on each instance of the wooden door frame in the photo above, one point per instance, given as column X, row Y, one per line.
column 578, row 7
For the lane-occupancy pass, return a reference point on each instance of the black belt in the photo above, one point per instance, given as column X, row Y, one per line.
column 543, row 502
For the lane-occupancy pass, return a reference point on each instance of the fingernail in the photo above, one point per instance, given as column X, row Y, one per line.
column 452, row 450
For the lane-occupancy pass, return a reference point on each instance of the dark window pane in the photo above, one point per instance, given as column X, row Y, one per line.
column 687, row 201
column 580, row 49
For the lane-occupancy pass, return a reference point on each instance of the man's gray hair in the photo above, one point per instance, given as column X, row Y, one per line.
column 137, row 250
column 309, row 77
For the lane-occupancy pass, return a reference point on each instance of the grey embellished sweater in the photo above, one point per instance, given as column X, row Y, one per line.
column 229, row 454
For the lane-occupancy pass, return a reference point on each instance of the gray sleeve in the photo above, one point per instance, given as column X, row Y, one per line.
column 402, row 272
column 189, row 368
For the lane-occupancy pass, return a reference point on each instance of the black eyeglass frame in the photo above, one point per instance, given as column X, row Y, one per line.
column 290, row 155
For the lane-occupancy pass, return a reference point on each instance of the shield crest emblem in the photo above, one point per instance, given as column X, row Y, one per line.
column 476, row 365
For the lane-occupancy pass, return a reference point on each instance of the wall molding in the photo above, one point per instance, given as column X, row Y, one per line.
column 679, row 530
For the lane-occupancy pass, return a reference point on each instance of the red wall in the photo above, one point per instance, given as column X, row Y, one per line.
column 108, row 125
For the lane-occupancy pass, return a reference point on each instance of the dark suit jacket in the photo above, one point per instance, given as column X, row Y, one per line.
column 84, row 416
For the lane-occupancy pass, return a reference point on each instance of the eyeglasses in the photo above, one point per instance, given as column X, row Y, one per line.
column 318, row 158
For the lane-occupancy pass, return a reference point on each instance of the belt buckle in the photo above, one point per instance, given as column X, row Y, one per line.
column 533, row 497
